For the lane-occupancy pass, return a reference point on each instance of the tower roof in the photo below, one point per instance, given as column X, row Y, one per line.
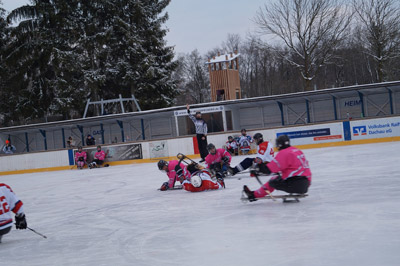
column 223, row 58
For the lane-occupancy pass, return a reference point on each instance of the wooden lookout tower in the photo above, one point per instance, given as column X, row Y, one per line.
column 224, row 77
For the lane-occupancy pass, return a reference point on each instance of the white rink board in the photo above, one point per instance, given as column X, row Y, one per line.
column 34, row 160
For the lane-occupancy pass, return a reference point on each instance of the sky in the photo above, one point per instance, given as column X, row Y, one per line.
column 201, row 25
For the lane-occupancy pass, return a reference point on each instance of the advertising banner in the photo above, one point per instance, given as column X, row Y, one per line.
column 375, row 128
column 116, row 153
column 158, row 149
column 203, row 110
column 314, row 134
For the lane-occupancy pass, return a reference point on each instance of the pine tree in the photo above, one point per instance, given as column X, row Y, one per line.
column 125, row 51
column 64, row 52
column 43, row 80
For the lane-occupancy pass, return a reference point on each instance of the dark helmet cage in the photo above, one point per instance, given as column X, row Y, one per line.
column 192, row 168
column 282, row 142
column 210, row 147
column 258, row 137
column 161, row 164
column 79, row 147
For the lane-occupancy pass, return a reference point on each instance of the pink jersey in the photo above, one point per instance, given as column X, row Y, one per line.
column 9, row 202
column 217, row 157
column 172, row 174
column 81, row 154
column 290, row 162
column 100, row 155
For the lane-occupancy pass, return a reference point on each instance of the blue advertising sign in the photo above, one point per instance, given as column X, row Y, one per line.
column 360, row 130
column 306, row 133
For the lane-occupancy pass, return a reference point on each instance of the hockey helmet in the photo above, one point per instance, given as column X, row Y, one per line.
column 211, row 147
column 196, row 181
column 258, row 137
column 230, row 137
column 282, row 142
column 161, row 164
column 79, row 148
column 192, row 168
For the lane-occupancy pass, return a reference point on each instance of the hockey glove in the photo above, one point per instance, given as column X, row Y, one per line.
column 264, row 169
column 258, row 160
column 164, row 186
column 20, row 221
column 225, row 159
column 253, row 173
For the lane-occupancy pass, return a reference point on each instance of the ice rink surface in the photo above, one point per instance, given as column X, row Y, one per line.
column 116, row 216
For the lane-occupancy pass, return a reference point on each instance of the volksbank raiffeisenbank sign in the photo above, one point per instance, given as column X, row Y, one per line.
column 376, row 128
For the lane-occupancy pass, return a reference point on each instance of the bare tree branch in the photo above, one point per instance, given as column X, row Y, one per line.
column 311, row 29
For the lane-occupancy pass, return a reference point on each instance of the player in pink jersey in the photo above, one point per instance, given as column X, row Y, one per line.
column 217, row 160
column 175, row 171
column 99, row 158
column 9, row 202
column 80, row 158
column 292, row 167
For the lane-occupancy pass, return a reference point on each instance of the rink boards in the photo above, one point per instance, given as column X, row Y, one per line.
column 312, row 136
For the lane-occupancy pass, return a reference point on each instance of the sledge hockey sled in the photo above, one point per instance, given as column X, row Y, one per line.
column 178, row 187
column 285, row 198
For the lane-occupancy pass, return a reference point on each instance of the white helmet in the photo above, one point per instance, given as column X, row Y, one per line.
column 196, row 181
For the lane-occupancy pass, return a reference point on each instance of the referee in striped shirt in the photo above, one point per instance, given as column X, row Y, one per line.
column 201, row 132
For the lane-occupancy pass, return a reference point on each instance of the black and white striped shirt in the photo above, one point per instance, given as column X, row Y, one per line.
column 200, row 124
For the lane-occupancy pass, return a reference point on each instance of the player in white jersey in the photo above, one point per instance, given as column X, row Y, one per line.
column 245, row 142
column 265, row 154
column 9, row 202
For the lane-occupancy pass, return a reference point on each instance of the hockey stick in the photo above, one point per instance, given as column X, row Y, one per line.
column 266, row 190
column 36, row 232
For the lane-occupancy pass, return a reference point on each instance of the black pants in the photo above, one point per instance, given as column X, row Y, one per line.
column 243, row 165
column 98, row 162
column 4, row 231
column 295, row 184
column 202, row 145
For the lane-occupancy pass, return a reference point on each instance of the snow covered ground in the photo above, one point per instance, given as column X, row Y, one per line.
column 116, row 216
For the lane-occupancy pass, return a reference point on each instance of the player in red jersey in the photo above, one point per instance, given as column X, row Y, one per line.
column 9, row 202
